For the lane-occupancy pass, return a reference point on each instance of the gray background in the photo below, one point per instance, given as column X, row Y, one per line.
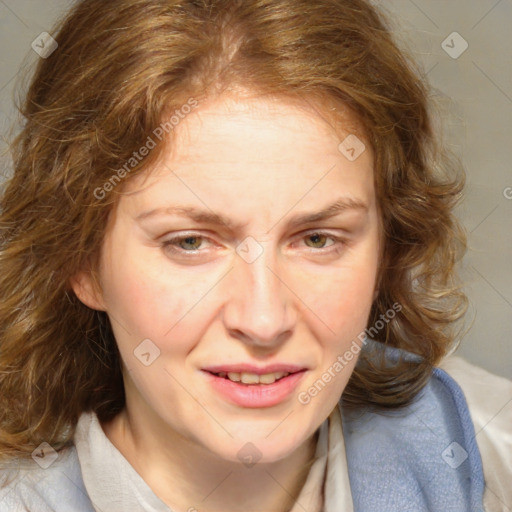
column 475, row 92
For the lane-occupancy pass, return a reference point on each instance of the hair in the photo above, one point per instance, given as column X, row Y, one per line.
column 121, row 68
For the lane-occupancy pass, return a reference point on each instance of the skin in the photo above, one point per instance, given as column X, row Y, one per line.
column 260, row 162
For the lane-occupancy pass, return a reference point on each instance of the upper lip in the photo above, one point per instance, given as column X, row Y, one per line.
column 251, row 368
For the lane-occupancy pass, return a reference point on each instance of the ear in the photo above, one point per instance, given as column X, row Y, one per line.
column 88, row 290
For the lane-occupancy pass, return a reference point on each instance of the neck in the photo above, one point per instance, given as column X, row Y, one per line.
column 189, row 478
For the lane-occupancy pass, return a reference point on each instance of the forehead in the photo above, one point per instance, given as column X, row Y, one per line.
column 252, row 152
column 221, row 125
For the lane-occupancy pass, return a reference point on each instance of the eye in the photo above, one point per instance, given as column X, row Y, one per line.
column 319, row 240
column 190, row 243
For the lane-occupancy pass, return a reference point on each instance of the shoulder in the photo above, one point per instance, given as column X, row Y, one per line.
column 50, row 483
column 489, row 399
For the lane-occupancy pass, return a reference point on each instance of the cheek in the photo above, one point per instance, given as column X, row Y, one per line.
column 144, row 299
column 346, row 315
column 150, row 300
column 342, row 297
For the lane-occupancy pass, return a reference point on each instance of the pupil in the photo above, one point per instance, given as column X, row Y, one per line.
column 315, row 237
column 188, row 241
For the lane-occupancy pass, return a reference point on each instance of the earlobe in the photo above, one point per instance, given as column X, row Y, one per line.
column 87, row 290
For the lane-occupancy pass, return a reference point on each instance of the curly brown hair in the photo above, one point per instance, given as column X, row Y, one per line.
column 120, row 68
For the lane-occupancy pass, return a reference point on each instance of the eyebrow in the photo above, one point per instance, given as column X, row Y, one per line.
column 209, row 217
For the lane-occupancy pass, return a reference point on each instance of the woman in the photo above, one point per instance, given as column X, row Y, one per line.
column 227, row 269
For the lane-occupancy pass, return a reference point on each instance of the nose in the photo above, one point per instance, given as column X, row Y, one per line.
column 260, row 309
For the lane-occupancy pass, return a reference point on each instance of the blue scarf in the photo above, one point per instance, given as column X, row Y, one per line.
column 423, row 458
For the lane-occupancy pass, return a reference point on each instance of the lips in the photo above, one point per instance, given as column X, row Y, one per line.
column 252, row 395
column 250, row 368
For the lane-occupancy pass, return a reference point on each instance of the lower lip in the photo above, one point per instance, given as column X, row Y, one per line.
column 256, row 395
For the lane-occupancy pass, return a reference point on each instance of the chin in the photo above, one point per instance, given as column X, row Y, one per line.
column 264, row 449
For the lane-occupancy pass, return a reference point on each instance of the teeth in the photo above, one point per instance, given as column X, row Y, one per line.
column 235, row 377
column 253, row 378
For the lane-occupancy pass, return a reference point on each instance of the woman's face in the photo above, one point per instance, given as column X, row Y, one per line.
column 264, row 289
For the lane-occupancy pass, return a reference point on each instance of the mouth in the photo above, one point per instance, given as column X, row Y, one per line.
column 250, row 379
column 254, row 390
column 250, row 374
